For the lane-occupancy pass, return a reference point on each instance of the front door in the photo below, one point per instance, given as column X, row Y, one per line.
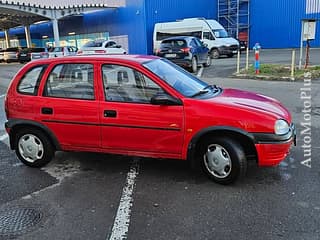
column 130, row 123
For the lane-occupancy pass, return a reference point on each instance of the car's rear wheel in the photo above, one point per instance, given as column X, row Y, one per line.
column 194, row 65
column 208, row 61
column 215, row 53
column 33, row 147
column 223, row 159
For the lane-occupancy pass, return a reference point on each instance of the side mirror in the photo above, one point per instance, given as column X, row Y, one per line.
column 118, row 46
column 165, row 99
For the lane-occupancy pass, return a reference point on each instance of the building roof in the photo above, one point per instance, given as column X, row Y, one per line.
column 17, row 13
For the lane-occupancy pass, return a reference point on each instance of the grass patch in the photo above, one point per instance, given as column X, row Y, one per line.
column 279, row 71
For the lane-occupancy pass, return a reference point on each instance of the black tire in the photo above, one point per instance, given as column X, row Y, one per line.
column 215, row 54
column 229, row 161
column 208, row 61
column 194, row 65
column 33, row 142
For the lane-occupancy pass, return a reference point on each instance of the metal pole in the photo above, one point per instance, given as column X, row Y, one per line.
column 56, row 32
column 6, row 34
column 238, row 62
column 28, row 36
column 301, row 46
column 293, row 63
column 247, row 58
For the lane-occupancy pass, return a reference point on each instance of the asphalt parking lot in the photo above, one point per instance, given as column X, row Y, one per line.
column 87, row 196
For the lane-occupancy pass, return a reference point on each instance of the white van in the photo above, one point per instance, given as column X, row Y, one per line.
column 209, row 31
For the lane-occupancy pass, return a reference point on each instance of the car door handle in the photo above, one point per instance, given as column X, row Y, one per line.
column 110, row 113
column 46, row 110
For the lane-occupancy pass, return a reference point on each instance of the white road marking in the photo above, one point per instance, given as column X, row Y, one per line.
column 122, row 219
column 1, row 96
column 199, row 74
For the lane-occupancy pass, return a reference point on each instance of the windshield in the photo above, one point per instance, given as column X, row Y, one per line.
column 220, row 33
column 181, row 80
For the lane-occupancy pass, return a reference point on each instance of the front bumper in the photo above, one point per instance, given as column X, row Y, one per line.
column 271, row 148
column 227, row 50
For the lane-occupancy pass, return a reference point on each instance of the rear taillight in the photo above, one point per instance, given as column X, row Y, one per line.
column 158, row 51
column 79, row 52
column 6, row 108
column 185, row 50
column 99, row 51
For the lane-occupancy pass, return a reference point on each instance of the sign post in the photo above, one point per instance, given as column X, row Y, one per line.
column 308, row 32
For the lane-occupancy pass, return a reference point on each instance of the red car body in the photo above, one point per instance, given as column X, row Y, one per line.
column 167, row 129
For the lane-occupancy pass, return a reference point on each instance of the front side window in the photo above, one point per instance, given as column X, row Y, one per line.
column 124, row 84
column 182, row 81
column 71, row 81
column 29, row 83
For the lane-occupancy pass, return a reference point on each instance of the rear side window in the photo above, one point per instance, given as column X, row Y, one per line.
column 29, row 83
column 71, row 80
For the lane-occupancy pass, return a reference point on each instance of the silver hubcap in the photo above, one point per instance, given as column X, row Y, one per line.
column 215, row 54
column 217, row 161
column 30, row 148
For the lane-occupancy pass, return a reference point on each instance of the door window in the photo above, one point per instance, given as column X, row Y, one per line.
column 70, row 81
column 208, row 35
column 29, row 83
column 124, row 84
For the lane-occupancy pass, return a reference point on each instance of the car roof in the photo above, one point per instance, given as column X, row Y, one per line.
column 113, row 57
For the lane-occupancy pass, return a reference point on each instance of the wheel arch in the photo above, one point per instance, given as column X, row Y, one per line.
column 16, row 124
column 245, row 139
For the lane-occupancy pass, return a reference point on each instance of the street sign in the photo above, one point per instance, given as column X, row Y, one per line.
column 309, row 30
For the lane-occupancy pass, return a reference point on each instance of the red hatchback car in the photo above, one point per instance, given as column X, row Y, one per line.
column 142, row 106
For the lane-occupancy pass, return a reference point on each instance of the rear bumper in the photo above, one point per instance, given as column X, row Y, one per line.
column 182, row 62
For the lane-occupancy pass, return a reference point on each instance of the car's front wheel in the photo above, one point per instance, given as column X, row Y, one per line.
column 223, row 159
column 215, row 53
column 33, row 148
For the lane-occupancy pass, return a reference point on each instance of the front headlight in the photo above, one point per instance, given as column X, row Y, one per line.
column 281, row 127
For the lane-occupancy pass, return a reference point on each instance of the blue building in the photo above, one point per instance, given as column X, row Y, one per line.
column 273, row 23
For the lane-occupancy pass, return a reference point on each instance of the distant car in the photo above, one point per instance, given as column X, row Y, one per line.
column 101, row 47
column 187, row 52
column 1, row 55
column 142, row 106
column 63, row 51
column 11, row 54
column 28, row 54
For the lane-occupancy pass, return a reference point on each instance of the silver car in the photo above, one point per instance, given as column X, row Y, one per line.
column 11, row 54
column 63, row 51
column 101, row 46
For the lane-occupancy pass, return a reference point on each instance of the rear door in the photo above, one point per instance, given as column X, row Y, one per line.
column 130, row 123
column 202, row 51
column 69, row 105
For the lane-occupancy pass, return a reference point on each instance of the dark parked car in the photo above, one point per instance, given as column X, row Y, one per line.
column 187, row 52
column 28, row 54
